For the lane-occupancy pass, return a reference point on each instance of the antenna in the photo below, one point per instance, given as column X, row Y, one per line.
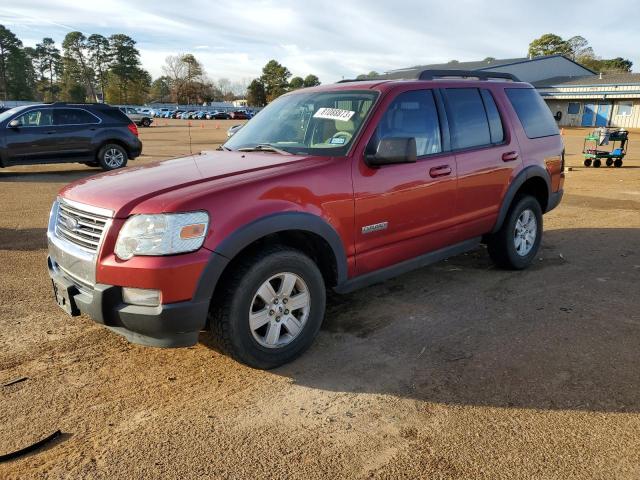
column 189, row 130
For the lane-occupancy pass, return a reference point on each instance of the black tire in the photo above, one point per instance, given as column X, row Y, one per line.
column 108, row 158
column 501, row 245
column 617, row 163
column 146, row 122
column 609, row 162
column 587, row 162
column 229, row 316
column 597, row 163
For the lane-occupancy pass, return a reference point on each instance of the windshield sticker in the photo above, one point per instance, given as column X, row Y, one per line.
column 334, row 114
column 338, row 141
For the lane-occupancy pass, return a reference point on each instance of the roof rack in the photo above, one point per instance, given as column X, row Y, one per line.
column 414, row 74
column 479, row 74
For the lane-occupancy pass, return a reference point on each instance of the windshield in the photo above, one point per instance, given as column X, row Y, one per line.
column 320, row 123
column 11, row 112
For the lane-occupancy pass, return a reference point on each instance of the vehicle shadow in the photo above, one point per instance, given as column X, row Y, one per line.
column 48, row 176
column 24, row 239
column 563, row 334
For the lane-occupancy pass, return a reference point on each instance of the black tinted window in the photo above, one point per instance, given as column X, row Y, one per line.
column 470, row 127
column 533, row 113
column 36, row 118
column 495, row 122
column 413, row 114
column 114, row 114
column 73, row 116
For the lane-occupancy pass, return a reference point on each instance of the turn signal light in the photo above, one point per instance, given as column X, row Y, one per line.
column 192, row 231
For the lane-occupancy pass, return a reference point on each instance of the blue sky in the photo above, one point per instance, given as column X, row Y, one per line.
column 234, row 39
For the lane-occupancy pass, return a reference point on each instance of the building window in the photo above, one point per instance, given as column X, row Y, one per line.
column 625, row 109
column 573, row 108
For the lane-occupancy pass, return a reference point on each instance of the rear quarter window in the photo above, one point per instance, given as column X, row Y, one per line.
column 115, row 115
column 534, row 115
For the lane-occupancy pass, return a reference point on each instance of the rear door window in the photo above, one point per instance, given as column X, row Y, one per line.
column 468, row 118
column 534, row 115
column 74, row 116
column 412, row 114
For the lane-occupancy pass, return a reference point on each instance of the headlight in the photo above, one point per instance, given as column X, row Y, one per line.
column 163, row 234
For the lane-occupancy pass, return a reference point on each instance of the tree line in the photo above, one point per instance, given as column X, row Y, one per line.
column 577, row 48
column 86, row 68
column 97, row 68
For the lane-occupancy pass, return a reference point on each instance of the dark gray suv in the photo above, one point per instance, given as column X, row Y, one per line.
column 93, row 134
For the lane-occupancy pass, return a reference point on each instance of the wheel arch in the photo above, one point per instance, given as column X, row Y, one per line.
column 118, row 142
column 303, row 231
column 533, row 180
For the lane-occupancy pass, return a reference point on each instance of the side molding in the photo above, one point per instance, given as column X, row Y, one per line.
column 529, row 172
column 406, row 266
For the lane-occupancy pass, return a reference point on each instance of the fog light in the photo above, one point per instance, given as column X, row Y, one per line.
column 141, row 296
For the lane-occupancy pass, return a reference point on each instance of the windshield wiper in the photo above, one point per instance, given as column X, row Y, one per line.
column 264, row 147
column 222, row 147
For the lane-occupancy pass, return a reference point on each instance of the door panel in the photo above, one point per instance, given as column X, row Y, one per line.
column 602, row 117
column 75, row 130
column 34, row 140
column 484, row 171
column 588, row 115
column 404, row 210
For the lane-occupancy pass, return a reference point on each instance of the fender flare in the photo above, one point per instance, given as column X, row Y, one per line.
column 249, row 233
column 526, row 174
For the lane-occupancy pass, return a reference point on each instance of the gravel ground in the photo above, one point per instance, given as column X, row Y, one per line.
column 455, row 371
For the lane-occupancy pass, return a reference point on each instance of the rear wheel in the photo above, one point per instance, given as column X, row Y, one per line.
column 146, row 122
column 597, row 163
column 617, row 163
column 517, row 242
column 609, row 162
column 270, row 309
column 587, row 162
column 112, row 156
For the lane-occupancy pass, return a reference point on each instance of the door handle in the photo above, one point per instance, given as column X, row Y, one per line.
column 509, row 156
column 440, row 171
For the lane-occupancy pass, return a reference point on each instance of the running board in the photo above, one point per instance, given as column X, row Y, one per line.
column 406, row 266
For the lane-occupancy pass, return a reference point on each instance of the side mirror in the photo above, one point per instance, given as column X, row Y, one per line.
column 14, row 123
column 393, row 150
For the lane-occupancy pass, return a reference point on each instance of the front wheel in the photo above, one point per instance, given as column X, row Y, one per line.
column 112, row 156
column 270, row 309
column 146, row 122
column 516, row 244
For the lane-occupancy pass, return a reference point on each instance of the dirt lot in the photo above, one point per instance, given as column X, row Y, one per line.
column 453, row 371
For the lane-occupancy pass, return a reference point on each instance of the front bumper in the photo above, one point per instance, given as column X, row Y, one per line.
column 169, row 325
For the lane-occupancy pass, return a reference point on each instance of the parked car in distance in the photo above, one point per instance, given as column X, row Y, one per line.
column 339, row 186
column 93, row 134
column 239, row 115
column 138, row 118
column 217, row 115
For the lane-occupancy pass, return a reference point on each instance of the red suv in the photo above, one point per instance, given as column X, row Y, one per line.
column 337, row 186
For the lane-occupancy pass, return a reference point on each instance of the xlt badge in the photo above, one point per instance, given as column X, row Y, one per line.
column 375, row 227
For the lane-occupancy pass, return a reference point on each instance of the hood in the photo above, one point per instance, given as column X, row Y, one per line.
column 121, row 190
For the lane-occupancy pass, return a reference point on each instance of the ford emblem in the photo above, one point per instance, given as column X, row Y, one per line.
column 71, row 223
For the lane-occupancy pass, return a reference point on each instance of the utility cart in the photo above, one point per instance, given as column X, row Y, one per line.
column 616, row 140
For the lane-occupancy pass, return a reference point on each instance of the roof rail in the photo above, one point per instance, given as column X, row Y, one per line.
column 479, row 74
column 414, row 74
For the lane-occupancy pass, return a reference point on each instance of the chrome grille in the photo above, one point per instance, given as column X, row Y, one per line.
column 82, row 228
